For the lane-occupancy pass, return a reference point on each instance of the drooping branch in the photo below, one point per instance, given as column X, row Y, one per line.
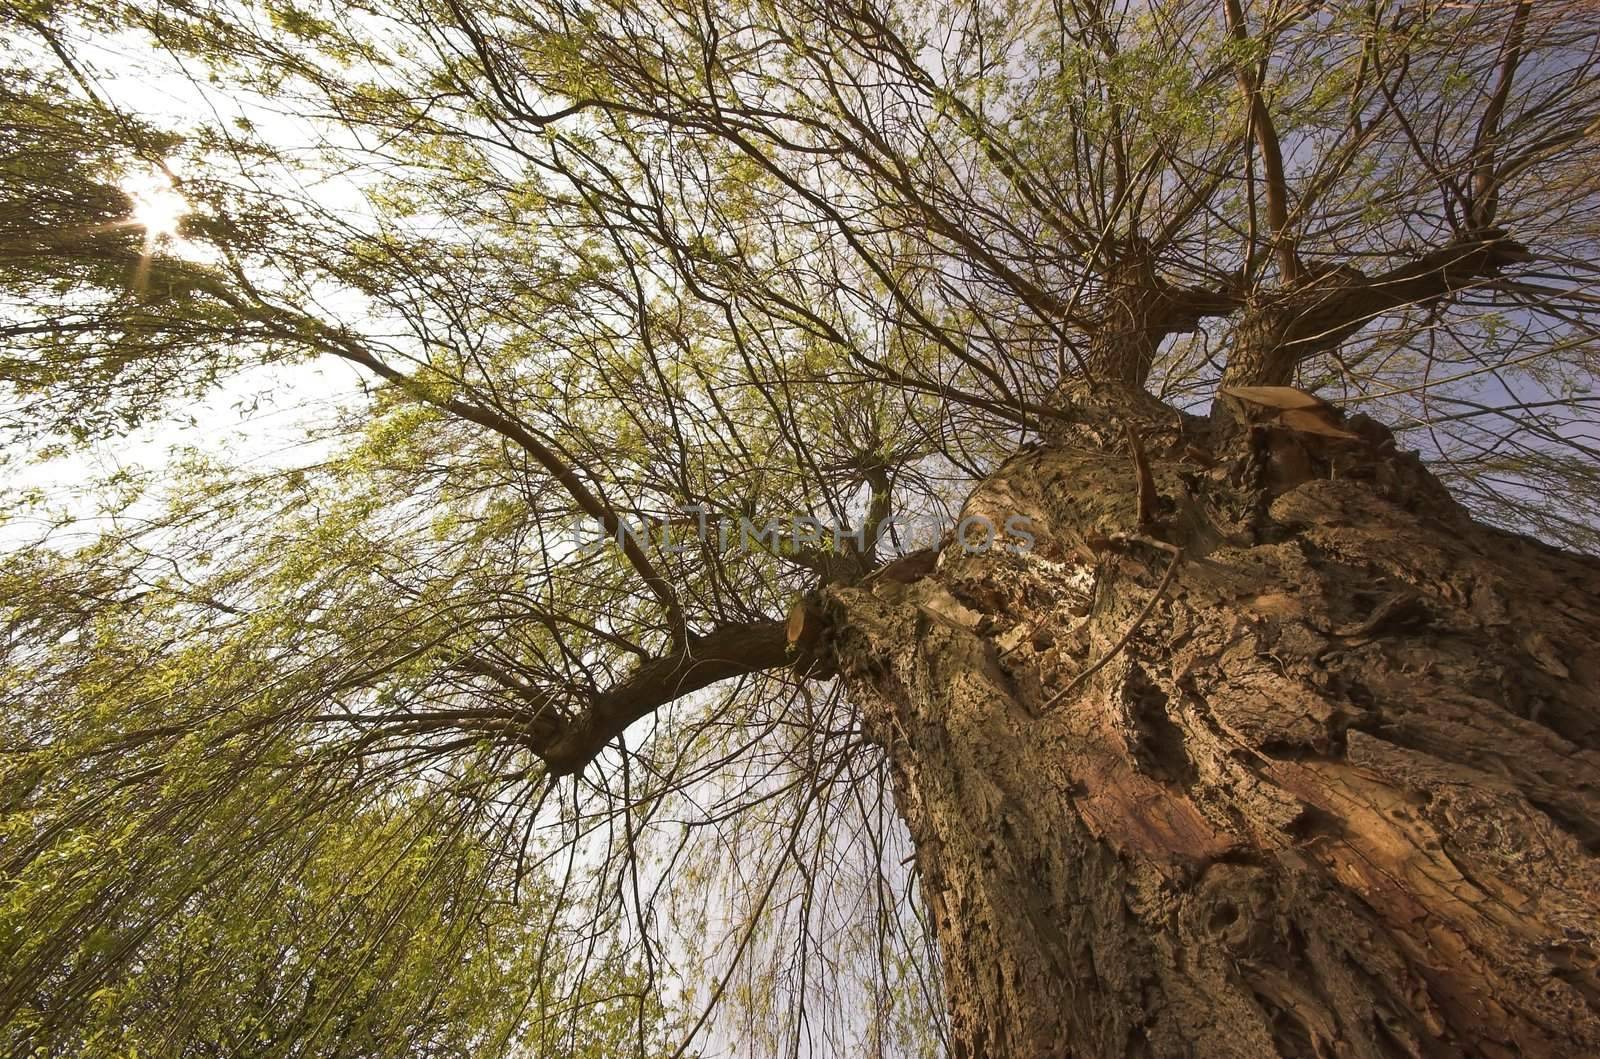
column 305, row 329
column 586, row 499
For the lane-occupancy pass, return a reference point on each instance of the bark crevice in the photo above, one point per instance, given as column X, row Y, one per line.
column 1335, row 796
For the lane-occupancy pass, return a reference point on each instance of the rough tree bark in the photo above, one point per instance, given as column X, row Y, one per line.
column 1336, row 795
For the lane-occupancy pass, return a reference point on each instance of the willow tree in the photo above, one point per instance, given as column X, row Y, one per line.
column 1086, row 460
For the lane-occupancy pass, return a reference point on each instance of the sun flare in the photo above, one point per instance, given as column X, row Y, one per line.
column 157, row 207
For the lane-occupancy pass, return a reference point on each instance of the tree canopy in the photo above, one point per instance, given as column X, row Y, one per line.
column 340, row 738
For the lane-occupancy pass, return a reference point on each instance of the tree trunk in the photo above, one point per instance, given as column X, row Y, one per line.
column 1336, row 795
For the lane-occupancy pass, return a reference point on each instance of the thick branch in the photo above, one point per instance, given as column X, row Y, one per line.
column 1485, row 192
column 1139, row 309
column 1266, row 136
column 1283, row 330
column 731, row 651
column 1441, row 272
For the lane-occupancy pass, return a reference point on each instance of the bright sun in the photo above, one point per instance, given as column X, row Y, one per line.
column 157, row 207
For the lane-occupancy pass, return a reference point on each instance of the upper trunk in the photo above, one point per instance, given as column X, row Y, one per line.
column 1335, row 795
